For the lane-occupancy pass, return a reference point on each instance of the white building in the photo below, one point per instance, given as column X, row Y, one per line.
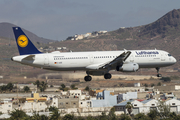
column 174, row 105
column 33, row 106
column 137, row 84
column 6, row 107
column 85, row 104
column 74, row 93
column 121, row 107
column 149, row 104
column 126, row 96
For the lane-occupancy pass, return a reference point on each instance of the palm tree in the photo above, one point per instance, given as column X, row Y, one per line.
column 129, row 107
column 43, row 86
column 55, row 115
column 9, row 86
column 18, row 115
column 26, row 89
column 37, row 83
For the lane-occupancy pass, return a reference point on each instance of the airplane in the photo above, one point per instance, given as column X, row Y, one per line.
column 94, row 63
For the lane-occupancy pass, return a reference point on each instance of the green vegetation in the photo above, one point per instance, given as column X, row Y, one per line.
column 129, row 107
column 175, row 77
column 159, row 84
column 7, row 88
column 87, row 88
column 166, row 79
column 73, row 87
column 41, row 85
column 163, row 114
column 63, row 87
column 26, row 89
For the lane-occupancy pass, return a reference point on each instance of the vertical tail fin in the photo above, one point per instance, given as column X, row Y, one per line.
column 25, row 46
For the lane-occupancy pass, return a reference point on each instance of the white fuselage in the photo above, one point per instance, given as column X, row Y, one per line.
column 81, row 60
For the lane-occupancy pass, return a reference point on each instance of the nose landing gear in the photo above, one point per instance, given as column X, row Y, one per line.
column 158, row 75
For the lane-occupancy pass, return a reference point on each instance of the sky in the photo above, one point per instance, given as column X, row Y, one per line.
column 58, row 19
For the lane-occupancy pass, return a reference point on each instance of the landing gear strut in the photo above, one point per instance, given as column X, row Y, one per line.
column 158, row 75
column 107, row 76
column 87, row 78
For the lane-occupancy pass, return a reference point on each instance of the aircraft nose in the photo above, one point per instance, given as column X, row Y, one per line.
column 174, row 60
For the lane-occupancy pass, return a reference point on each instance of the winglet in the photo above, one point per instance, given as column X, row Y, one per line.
column 25, row 46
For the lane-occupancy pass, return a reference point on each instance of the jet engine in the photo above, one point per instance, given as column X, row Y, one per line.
column 128, row 67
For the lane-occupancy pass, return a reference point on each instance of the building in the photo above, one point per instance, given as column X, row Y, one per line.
column 105, row 99
column 137, row 84
column 35, row 97
column 6, row 106
column 33, row 106
column 68, row 102
column 149, row 104
column 126, row 96
column 168, row 95
column 174, row 105
column 121, row 107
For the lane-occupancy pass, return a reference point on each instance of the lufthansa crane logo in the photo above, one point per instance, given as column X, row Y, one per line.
column 22, row 41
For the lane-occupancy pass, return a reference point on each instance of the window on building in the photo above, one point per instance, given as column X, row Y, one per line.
column 173, row 103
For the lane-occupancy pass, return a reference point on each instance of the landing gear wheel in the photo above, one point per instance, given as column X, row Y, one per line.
column 107, row 76
column 87, row 78
column 159, row 75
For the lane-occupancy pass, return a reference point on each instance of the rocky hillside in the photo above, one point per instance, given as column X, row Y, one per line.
column 7, row 32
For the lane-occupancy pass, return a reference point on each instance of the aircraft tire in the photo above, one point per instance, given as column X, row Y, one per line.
column 159, row 75
column 87, row 78
column 107, row 76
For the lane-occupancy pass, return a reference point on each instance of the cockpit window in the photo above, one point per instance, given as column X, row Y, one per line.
column 169, row 55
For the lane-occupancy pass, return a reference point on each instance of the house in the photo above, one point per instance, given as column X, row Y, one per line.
column 126, row 96
column 149, row 104
column 68, row 102
column 74, row 93
column 33, row 106
column 105, row 99
column 174, row 105
column 167, row 95
column 121, row 107
column 5, row 107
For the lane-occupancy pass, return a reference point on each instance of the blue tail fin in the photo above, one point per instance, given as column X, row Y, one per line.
column 25, row 46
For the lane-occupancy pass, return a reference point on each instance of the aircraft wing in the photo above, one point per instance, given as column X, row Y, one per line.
column 111, row 64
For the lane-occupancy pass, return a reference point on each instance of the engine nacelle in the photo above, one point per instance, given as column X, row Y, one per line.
column 128, row 67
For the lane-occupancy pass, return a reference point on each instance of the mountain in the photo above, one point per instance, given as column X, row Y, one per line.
column 164, row 27
column 7, row 32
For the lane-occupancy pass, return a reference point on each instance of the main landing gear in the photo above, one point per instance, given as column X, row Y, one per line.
column 158, row 75
column 106, row 76
column 87, row 78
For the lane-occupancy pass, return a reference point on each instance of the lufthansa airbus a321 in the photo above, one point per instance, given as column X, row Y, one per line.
column 94, row 63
